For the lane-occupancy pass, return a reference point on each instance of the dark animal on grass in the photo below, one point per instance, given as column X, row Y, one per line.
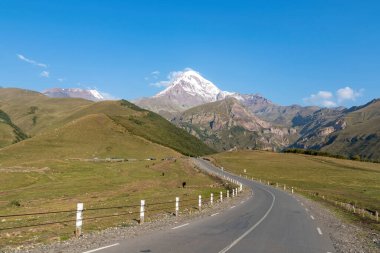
column 183, row 184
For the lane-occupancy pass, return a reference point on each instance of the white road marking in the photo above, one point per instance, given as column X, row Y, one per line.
column 232, row 207
column 105, row 247
column 307, row 210
column 319, row 231
column 214, row 214
column 253, row 227
column 312, row 217
column 181, row 226
column 301, row 204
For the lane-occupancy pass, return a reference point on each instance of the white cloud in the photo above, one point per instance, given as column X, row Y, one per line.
column 170, row 78
column 322, row 98
column 107, row 96
column 45, row 74
column 327, row 98
column 60, row 80
column 348, row 93
column 30, row 61
column 153, row 75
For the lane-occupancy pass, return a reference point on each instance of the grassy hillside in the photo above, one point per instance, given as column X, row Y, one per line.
column 9, row 132
column 91, row 136
column 36, row 114
column 342, row 180
column 146, row 124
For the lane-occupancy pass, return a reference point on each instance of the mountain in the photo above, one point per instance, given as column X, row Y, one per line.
column 51, row 122
column 227, row 124
column 226, row 120
column 92, row 95
column 349, row 132
column 187, row 90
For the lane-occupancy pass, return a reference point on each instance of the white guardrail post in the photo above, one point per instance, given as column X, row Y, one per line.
column 176, row 206
column 228, row 193
column 200, row 202
column 142, row 210
column 79, row 220
column 233, row 192
column 212, row 198
column 221, row 196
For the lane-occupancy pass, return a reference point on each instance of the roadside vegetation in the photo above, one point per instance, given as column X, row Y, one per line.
column 346, row 181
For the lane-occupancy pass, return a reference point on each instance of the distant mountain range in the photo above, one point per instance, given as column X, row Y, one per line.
column 93, row 95
column 229, row 120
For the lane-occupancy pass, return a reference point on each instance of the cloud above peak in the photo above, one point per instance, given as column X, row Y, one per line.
column 327, row 98
column 347, row 93
column 170, row 78
column 30, row 61
column 45, row 74
column 322, row 98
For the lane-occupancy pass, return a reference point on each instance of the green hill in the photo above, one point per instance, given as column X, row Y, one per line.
column 52, row 118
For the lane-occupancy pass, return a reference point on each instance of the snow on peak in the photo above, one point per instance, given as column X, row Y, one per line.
column 96, row 94
column 195, row 84
column 90, row 94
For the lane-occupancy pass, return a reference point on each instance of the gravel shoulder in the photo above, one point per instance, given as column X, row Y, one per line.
column 346, row 237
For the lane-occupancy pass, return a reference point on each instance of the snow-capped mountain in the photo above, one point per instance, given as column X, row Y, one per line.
column 192, row 83
column 186, row 90
column 93, row 95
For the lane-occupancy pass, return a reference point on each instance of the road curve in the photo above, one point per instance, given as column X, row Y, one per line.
column 270, row 221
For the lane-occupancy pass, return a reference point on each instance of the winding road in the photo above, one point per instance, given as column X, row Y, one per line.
column 270, row 221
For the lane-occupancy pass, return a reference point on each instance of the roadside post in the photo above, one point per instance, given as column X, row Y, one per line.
column 200, row 202
column 142, row 210
column 228, row 193
column 212, row 199
column 79, row 220
column 221, row 196
column 176, row 206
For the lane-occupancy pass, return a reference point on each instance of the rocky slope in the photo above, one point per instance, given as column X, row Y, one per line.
column 227, row 124
column 349, row 132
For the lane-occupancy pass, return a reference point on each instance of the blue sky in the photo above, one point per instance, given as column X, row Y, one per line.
column 323, row 52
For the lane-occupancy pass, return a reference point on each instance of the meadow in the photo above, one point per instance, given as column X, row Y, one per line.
column 347, row 181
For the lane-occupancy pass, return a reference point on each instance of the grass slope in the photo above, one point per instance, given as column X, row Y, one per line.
column 148, row 125
column 91, row 136
column 37, row 114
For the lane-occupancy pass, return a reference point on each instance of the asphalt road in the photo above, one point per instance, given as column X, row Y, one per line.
column 270, row 221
